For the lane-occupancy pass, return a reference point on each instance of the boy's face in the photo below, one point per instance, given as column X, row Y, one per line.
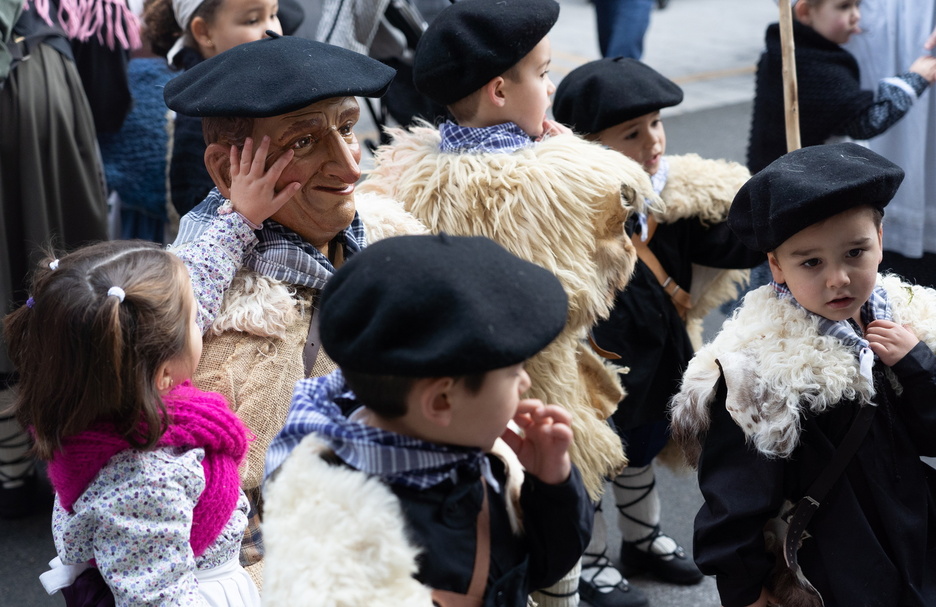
column 527, row 90
column 831, row 266
column 641, row 139
column 480, row 418
column 835, row 20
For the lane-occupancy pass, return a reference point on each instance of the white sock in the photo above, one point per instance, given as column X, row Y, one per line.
column 636, row 497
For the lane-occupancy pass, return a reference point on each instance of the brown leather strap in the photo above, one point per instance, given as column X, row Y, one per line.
column 482, row 566
column 679, row 296
column 601, row 351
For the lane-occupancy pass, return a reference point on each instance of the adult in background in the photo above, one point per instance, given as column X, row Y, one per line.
column 896, row 33
column 51, row 190
column 301, row 95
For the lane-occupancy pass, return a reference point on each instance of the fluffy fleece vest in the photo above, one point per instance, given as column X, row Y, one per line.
column 336, row 536
column 703, row 189
column 776, row 365
column 560, row 204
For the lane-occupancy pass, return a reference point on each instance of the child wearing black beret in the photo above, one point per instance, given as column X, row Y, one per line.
column 817, row 395
column 553, row 199
column 684, row 247
column 832, row 104
column 396, row 480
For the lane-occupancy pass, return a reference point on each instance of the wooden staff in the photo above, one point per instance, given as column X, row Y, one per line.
column 790, row 91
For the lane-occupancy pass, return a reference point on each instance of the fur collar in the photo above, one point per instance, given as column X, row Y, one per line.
column 266, row 307
column 776, row 365
column 336, row 536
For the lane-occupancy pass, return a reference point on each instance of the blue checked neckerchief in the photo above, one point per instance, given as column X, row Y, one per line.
column 500, row 138
column 658, row 181
column 876, row 308
column 281, row 253
column 398, row 459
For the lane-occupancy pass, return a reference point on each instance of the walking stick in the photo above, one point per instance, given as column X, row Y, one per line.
column 790, row 92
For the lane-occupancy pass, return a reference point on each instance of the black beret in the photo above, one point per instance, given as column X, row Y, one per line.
column 473, row 41
column 807, row 186
column 438, row 306
column 274, row 76
column 607, row 92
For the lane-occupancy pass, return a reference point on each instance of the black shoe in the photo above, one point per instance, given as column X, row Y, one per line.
column 621, row 594
column 676, row 570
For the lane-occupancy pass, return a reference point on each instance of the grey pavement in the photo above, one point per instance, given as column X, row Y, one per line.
column 710, row 48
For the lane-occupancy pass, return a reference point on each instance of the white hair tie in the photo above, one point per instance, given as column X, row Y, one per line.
column 53, row 265
column 116, row 292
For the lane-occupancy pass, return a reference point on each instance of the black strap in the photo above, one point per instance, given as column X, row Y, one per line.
column 313, row 343
column 809, row 503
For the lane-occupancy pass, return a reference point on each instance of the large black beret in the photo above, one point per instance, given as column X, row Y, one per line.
column 807, row 186
column 274, row 76
column 438, row 306
column 473, row 41
column 607, row 92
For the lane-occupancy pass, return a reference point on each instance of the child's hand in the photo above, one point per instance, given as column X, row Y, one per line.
column 890, row 341
column 253, row 188
column 930, row 43
column 551, row 127
column 926, row 67
column 544, row 447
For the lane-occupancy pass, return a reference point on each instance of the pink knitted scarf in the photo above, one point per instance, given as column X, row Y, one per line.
column 111, row 21
column 197, row 420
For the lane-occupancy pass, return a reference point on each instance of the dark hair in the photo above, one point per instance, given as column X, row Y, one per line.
column 466, row 108
column 227, row 130
column 84, row 356
column 161, row 28
column 386, row 395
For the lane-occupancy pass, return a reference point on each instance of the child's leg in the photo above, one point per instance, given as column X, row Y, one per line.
column 602, row 585
column 644, row 546
column 17, row 467
column 563, row 593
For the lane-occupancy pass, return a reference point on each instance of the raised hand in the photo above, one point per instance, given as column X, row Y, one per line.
column 543, row 447
column 890, row 341
column 253, row 186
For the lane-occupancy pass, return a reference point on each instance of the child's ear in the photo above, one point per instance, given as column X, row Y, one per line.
column 202, row 35
column 494, row 91
column 775, row 269
column 218, row 163
column 435, row 402
column 801, row 12
column 164, row 377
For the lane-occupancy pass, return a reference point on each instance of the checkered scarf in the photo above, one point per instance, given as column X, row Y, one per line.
column 500, row 138
column 281, row 254
column 876, row 308
column 658, row 181
column 400, row 460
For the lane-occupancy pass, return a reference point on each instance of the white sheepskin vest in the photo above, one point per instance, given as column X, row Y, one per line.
column 336, row 537
column 776, row 364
